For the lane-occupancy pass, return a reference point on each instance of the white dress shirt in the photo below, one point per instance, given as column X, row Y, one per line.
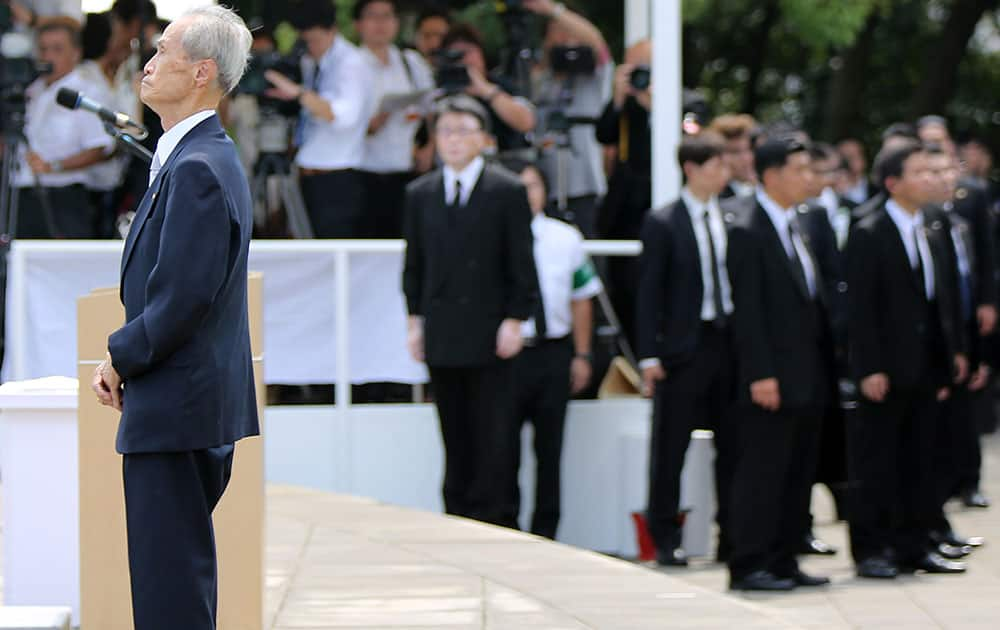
column 696, row 209
column 342, row 82
column 911, row 231
column 839, row 216
column 108, row 175
column 468, row 177
column 390, row 150
column 170, row 139
column 565, row 275
column 56, row 133
column 780, row 218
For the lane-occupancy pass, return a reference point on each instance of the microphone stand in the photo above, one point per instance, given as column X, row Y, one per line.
column 129, row 143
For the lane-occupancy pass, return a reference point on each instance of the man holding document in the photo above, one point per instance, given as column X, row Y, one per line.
column 401, row 82
column 180, row 369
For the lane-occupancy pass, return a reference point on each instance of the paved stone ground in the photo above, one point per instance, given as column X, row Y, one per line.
column 336, row 562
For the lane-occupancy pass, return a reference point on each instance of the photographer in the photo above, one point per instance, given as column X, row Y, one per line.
column 432, row 27
column 625, row 125
column 62, row 144
column 388, row 160
column 510, row 116
column 571, row 89
column 336, row 106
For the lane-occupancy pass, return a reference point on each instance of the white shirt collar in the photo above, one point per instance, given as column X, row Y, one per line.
column 170, row 139
column 779, row 216
column 468, row 176
column 696, row 207
column 903, row 219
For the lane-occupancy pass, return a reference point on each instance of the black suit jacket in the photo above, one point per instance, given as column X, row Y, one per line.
column 891, row 329
column 780, row 331
column 973, row 205
column 823, row 243
column 671, row 290
column 184, row 352
column 466, row 277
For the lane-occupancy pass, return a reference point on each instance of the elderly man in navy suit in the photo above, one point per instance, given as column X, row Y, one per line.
column 180, row 369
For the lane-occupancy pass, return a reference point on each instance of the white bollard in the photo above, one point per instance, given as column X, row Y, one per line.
column 698, row 494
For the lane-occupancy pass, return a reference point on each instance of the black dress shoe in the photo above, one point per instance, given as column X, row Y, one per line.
column 762, row 581
column 953, row 552
column 676, row 558
column 815, row 546
column 975, row 499
column 804, row 579
column 952, row 538
column 932, row 563
column 877, row 567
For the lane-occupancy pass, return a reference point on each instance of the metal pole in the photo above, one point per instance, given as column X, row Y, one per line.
column 667, row 86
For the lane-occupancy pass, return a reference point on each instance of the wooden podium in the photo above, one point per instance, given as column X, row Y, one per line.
column 105, row 593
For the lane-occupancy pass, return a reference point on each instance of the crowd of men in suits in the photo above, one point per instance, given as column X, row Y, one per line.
column 822, row 340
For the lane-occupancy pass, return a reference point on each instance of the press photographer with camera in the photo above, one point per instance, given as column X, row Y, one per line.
column 396, row 75
column 511, row 117
column 572, row 85
column 62, row 145
column 336, row 107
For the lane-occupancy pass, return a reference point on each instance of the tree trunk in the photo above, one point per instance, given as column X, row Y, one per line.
column 938, row 84
column 843, row 107
column 757, row 54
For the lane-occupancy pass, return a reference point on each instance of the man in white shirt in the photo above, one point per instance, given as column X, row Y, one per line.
column 336, row 105
column 62, row 145
column 683, row 316
column 388, row 157
column 556, row 360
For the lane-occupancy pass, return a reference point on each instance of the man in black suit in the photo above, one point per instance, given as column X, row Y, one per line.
column 781, row 334
column 183, row 354
column 469, row 280
column 906, row 349
column 684, row 308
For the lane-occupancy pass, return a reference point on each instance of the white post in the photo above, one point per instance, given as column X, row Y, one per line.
column 637, row 18
column 667, row 112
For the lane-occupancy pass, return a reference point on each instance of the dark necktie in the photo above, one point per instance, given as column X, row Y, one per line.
column 720, row 310
column 919, row 270
column 454, row 203
column 800, row 269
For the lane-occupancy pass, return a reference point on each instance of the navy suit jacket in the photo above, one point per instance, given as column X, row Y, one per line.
column 184, row 351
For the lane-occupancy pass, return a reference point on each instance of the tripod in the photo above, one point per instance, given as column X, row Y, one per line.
column 275, row 180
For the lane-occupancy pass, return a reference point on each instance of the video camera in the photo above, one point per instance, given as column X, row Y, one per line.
column 255, row 84
column 451, row 74
column 572, row 60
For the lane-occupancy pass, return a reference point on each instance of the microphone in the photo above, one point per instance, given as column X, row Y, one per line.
column 71, row 99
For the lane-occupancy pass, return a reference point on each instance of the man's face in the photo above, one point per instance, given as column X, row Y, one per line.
column 57, row 48
column 710, row 176
column 460, row 138
column 378, row 24
column 943, row 177
column 318, row 40
column 430, row 34
column 855, row 156
column 825, row 174
column 472, row 55
column 977, row 159
column 169, row 76
column 915, row 186
column 739, row 156
column 792, row 183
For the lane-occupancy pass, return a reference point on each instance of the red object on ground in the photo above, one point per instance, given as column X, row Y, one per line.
column 647, row 549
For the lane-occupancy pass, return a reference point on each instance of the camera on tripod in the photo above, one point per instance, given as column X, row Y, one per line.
column 18, row 69
column 255, row 84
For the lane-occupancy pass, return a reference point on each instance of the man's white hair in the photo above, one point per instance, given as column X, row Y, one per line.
column 219, row 34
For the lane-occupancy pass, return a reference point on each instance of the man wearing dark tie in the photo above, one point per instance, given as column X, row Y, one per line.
column 684, row 307
column 183, row 355
column 781, row 339
column 469, row 280
column 906, row 350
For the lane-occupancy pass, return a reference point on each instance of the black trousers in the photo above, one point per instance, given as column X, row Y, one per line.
column 772, row 487
column 68, row 214
column 956, row 451
column 890, row 451
column 696, row 395
column 542, row 390
column 169, row 498
column 385, row 194
column 479, row 432
column 335, row 202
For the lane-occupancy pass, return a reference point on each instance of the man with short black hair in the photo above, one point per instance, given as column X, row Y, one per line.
column 336, row 107
column 906, row 351
column 781, row 333
column 683, row 316
column 432, row 26
column 469, row 281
